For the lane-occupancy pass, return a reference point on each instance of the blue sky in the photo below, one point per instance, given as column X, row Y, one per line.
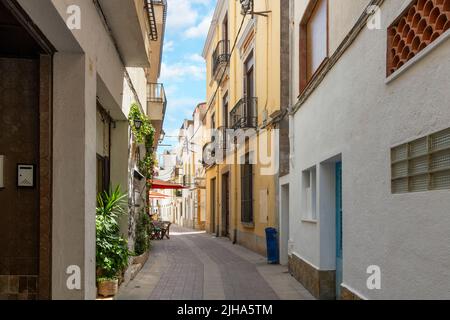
column 183, row 68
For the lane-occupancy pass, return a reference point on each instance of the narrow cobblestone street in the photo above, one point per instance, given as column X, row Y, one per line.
column 196, row 266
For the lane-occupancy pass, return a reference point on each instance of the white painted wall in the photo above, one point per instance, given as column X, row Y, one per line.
column 74, row 175
column 86, row 67
column 354, row 113
column 139, row 80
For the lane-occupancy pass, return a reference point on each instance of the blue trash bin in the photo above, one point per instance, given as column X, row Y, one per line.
column 273, row 256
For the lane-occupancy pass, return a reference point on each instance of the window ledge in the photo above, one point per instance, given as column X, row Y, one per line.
column 249, row 225
column 311, row 221
column 418, row 57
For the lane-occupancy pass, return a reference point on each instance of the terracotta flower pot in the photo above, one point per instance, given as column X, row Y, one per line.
column 108, row 288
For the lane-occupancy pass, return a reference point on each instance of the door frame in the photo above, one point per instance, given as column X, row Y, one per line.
column 339, row 229
column 284, row 222
column 226, row 219
column 45, row 164
column 213, row 205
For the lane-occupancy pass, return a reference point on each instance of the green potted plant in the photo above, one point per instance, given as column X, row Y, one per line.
column 112, row 249
column 142, row 242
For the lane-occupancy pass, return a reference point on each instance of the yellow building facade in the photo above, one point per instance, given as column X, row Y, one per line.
column 242, row 54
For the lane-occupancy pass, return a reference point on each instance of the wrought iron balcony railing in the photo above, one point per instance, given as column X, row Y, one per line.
column 244, row 114
column 149, row 7
column 220, row 58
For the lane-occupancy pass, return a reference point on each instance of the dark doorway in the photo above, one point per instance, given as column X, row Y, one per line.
column 213, row 206
column 25, row 119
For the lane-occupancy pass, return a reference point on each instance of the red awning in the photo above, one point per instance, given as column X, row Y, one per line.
column 159, row 184
column 157, row 195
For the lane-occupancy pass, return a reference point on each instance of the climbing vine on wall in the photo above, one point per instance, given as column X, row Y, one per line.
column 145, row 135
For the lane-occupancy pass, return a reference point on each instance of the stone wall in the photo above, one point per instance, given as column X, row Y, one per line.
column 347, row 294
column 19, row 221
column 321, row 284
column 18, row 287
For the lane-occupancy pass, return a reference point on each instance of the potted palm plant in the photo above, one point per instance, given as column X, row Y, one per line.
column 112, row 249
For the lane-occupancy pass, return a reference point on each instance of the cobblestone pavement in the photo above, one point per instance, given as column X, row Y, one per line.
column 196, row 266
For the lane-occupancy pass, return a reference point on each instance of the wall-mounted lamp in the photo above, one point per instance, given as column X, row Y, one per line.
column 162, row 136
column 137, row 123
column 248, row 7
column 2, row 171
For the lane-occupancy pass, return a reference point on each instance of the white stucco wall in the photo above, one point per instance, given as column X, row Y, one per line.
column 87, row 67
column 74, row 172
column 354, row 113
column 139, row 80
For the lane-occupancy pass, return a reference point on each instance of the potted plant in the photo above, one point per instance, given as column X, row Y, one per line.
column 112, row 249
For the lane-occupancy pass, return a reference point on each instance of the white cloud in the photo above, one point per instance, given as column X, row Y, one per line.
column 182, row 14
column 169, row 46
column 184, row 106
column 196, row 58
column 170, row 89
column 200, row 30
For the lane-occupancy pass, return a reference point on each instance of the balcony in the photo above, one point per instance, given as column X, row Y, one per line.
column 220, row 59
column 131, row 37
column 156, row 107
column 156, row 101
column 244, row 114
column 157, row 15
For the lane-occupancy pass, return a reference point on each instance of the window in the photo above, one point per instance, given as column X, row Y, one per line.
column 309, row 189
column 213, row 121
column 249, row 77
column 247, row 191
column 103, row 174
column 313, row 40
column 249, row 89
column 225, row 31
column 419, row 25
column 225, row 111
column 422, row 165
